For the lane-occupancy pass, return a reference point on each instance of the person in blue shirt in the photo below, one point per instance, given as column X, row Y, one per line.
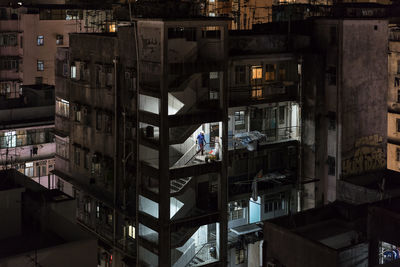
column 201, row 142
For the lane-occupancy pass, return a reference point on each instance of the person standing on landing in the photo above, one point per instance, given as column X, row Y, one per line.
column 201, row 142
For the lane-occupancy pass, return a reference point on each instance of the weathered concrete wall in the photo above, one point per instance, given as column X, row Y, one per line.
column 32, row 27
column 295, row 251
column 363, row 95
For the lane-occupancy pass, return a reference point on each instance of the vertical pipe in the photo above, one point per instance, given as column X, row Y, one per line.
column 115, row 61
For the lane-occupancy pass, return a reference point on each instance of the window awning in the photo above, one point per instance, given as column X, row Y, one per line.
column 246, row 229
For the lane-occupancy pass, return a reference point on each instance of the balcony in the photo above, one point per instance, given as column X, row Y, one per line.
column 263, row 93
column 251, row 140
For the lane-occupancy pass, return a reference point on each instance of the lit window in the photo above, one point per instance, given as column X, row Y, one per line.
column 239, row 120
column 10, row 139
column 40, row 65
column 256, row 92
column 211, row 14
column 29, row 169
column 40, row 40
column 73, row 72
column 131, row 231
column 62, row 108
column 256, row 72
column 112, row 28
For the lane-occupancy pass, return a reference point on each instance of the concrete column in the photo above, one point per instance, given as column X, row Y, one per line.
column 164, row 242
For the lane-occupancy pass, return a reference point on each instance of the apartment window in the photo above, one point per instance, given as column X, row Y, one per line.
column 77, row 155
column 109, row 77
column 240, row 74
column 86, row 159
column 398, row 125
column 98, row 207
column 130, row 81
column 21, row 43
column 256, row 72
column 398, row 96
column 8, row 64
column 62, row 148
column 331, row 165
column 96, row 166
column 8, row 40
column 275, row 204
column 236, row 210
column 256, row 92
column 240, row 120
column 40, row 40
column 131, row 231
column 270, row 72
column 10, row 139
column 281, row 114
column 331, row 75
column 398, row 66
column 239, row 256
column 29, row 169
column 107, row 123
column 60, row 39
column 40, row 65
column 60, row 185
column 39, row 80
column 98, row 120
column 282, row 71
column 62, row 107
column 213, row 94
column 73, row 72
column 78, row 113
column 398, row 154
column 87, row 206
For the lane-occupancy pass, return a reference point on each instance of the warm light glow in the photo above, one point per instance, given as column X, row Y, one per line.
column 256, row 72
column 112, row 28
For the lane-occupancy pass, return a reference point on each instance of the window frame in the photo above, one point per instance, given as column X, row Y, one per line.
column 40, row 40
column 40, row 65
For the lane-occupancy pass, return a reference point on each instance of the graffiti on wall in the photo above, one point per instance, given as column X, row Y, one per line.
column 368, row 156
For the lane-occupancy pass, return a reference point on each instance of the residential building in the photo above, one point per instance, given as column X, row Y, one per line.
column 27, row 133
column 30, row 232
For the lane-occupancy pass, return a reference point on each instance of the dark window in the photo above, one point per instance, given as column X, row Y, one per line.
column 98, row 120
column 240, row 74
column 38, row 80
column 77, row 155
column 107, row 123
column 187, row 33
column 331, row 165
column 398, row 66
column 40, row 65
column 398, row 96
column 60, row 39
column 239, row 259
column 270, row 70
column 86, row 160
column 398, row 125
column 332, row 120
column 398, row 154
column 281, row 114
column 331, row 75
column 40, row 40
